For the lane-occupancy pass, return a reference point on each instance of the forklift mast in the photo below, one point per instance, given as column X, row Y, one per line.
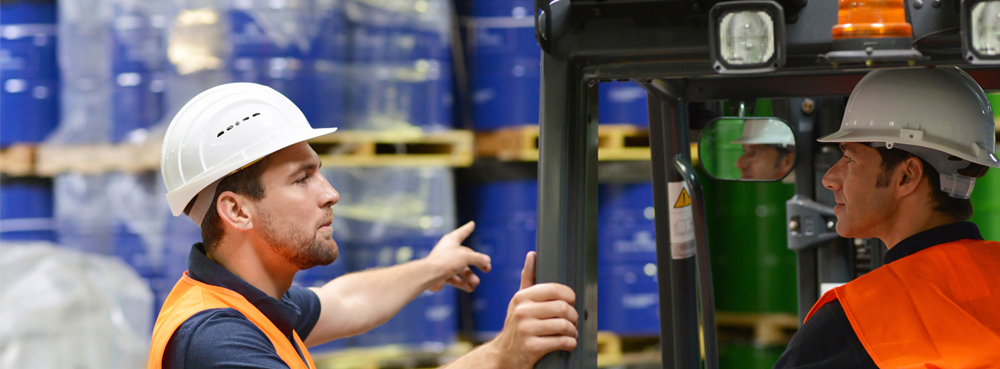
column 665, row 46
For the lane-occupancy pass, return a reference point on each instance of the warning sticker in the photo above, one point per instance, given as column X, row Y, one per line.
column 683, row 199
column 681, row 221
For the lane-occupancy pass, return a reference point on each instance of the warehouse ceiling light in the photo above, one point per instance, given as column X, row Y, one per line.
column 747, row 37
column 981, row 31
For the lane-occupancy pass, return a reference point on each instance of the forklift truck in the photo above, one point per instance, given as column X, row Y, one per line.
column 806, row 56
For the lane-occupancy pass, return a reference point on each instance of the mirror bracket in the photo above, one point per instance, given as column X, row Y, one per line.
column 809, row 223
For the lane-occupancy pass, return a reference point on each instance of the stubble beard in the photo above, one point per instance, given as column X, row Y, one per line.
column 302, row 250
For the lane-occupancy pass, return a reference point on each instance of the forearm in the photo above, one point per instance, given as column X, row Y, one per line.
column 486, row 356
column 370, row 298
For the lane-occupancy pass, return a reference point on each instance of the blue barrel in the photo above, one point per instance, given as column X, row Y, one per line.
column 626, row 251
column 401, row 73
column 29, row 74
column 628, row 303
column 505, row 71
column 430, row 320
column 26, row 209
column 138, row 103
column 622, row 103
column 138, row 42
column 505, row 213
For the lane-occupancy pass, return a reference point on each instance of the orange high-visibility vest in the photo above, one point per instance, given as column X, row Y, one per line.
column 937, row 308
column 190, row 297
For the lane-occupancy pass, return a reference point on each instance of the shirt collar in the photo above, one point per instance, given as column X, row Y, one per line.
column 284, row 314
column 932, row 237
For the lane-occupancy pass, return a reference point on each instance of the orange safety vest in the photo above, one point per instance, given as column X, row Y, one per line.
column 190, row 297
column 937, row 308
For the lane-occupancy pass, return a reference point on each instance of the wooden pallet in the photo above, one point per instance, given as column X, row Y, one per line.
column 396, row 148
column 17, row 160
column 394, row 356
column 614, row 142
column 761, row 329
column 616, row 351
column 342, row 149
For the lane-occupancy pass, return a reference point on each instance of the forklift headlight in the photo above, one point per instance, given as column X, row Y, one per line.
column 981, row 31
column 747, row 37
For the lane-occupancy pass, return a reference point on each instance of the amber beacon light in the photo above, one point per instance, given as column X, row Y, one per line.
column 870, row 31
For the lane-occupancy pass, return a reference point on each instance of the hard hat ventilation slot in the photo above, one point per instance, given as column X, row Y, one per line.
column 235, row 125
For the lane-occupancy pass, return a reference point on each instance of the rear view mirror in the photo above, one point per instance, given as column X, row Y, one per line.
column 755, row 149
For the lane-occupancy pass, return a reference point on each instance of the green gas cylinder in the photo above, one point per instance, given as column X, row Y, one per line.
column 986, row 194
column 753, row 271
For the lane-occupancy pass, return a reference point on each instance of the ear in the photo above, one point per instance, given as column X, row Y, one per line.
column 235, row 211
column 909, row 174
column 788, row 161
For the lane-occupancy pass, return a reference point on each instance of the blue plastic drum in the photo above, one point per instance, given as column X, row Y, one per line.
column 137, row 42
column 506, row 216
column 622, row 103
column 628, row 303
column 26, row 210
column 505, row 60
column 625, row 221
column 138, row 103
column 29, row 74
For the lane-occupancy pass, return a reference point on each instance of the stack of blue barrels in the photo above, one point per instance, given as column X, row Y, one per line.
column 628, row 303
column 504, row 62
column 29, row 111
column 505, row 213
column 138, row 59
column 297, row 47
column 401, row 74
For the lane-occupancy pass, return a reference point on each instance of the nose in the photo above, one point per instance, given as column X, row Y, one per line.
column 329, row 196
column 743, row 163
column 834, row 177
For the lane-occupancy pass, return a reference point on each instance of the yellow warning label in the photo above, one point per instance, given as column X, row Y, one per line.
column 683, row 200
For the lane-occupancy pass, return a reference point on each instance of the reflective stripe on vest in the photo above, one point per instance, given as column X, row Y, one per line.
column 190, row 297
column 937, row 308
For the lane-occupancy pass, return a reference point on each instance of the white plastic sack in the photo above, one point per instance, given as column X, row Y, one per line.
column 63, row 309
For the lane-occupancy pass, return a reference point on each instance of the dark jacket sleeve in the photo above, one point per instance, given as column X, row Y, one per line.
column 826, row 341
column 220, row 338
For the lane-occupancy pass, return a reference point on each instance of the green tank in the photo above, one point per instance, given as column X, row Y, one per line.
column 753, row 270
column 985, row 199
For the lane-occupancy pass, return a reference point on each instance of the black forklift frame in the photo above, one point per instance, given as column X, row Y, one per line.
column 663, row 46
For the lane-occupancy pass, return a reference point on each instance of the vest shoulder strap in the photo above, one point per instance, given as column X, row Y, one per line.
column 190, row 297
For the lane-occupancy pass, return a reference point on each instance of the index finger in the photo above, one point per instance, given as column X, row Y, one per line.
column 462, row 232
column 548, row 292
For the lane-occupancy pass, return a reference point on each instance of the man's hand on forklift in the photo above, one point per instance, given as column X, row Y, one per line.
column 540, row 319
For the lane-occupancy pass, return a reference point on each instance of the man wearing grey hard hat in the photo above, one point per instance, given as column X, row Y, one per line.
column 914, row 141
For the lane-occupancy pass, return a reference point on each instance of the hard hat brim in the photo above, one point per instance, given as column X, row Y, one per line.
column 869, row 135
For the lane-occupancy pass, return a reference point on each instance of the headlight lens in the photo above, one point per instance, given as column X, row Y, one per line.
column 746, row 37
column 986, row 28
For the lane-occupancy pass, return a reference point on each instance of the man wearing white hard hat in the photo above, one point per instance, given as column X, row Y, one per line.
column 914, row 142
column 768, row 150
column 235, row 161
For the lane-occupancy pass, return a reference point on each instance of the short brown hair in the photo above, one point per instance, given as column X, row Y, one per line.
column 246, row 182
column 960, row 209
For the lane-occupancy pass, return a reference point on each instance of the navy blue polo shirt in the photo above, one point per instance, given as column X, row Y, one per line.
column 827, row 339
column 225, row 338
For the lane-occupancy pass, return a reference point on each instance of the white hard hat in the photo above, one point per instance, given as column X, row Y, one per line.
column 933, row 113
column 220, row 131
column 766, row 132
